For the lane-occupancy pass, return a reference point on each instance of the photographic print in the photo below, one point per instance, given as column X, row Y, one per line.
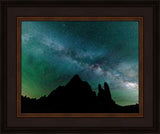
column 79, row 65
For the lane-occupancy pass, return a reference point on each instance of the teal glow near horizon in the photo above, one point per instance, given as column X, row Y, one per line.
column 98, row 51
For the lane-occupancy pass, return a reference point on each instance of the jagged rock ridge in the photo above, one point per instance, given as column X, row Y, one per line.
column 76, row 97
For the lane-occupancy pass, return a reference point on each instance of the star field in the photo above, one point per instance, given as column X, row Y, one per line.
column 53, row 52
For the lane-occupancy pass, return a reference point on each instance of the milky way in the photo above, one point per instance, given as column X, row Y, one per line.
column 53, row 52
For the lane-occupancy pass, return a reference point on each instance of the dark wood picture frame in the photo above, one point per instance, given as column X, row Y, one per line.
column 140, row 29
column 148, row 10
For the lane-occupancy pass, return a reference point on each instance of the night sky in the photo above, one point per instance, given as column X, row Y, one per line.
column 98, row 51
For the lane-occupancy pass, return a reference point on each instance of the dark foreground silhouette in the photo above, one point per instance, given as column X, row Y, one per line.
column 76, row 97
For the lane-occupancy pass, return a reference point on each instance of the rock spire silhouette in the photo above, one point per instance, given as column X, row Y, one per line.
column 76, row 97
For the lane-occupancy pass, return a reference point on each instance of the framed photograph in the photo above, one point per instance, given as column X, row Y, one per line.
column 71, row 71
column 79, row 66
